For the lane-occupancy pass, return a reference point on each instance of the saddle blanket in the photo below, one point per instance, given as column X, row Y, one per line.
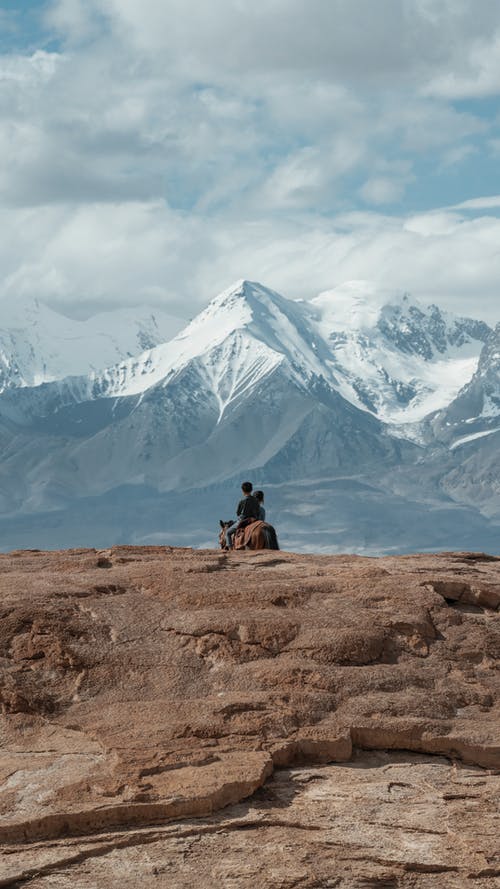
column 245, row 533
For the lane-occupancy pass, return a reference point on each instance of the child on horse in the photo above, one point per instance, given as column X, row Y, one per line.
column 248, row 508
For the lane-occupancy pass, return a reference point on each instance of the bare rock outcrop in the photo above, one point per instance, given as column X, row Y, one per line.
column 199, row 710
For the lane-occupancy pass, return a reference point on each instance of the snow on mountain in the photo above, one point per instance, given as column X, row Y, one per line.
column 266, row 329
column 256, row 383
column 478, row 402
column 463, row 437
column 469, row 426
column 38, row 344
column 243, row 335
column 383, row 354
column 246, row 385
column 474, row 437
column 394, row 357
column 396, row 360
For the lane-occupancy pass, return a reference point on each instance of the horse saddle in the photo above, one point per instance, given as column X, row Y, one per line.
column 245, row 532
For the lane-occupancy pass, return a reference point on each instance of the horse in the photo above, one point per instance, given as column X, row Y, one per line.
column 254, row 534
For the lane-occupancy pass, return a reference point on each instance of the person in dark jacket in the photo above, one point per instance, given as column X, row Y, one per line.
column 248, row 508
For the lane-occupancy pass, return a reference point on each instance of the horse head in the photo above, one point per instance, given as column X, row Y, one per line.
column 222, row 535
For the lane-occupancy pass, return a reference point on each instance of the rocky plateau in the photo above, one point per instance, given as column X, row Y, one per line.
column 184, row 718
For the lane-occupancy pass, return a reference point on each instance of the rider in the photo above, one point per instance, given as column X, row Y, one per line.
column 248, row 508
column 259, row 496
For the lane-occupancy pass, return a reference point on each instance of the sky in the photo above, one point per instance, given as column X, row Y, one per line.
column 153, row 151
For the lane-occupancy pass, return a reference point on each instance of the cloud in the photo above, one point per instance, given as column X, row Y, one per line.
column 490, row 202
column 347, row 40
column 477, row 76
column 207, row 104
column 79, row 258
column 456, row 155
column 437, row 223
column 310, row 176
column 167, row 147
column 74, row 20
column 382, row 190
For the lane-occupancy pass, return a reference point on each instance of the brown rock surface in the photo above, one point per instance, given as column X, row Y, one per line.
column 141, row 686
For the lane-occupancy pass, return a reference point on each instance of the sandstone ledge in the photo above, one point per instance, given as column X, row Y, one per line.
column 143, row 685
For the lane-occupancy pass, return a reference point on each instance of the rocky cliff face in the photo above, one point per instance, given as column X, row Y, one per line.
column 259, row 719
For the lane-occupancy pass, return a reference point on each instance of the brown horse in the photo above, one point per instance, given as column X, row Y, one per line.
column 254, row 534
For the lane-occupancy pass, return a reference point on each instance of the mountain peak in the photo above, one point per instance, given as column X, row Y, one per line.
column 241, row 287
column 243, row 290
column 245, row 304
column 227, row 311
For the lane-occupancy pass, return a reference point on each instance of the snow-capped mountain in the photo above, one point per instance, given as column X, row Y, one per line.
column 396, row 358
column 470, row 427
column 398, row 361
column 339, row 387
column 246, row 386
column 38, row 344
column 475, row 412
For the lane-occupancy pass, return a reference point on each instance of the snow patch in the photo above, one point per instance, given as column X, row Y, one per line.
column 476, row 435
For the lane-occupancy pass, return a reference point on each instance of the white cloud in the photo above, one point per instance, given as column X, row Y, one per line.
column 126, row 254
column 457, row 154
column 490, row 202
column 310, row 176
column 75, row 19
column 207, row 103
column 477, row 75
column 428, row 225
column 382, row 190
column 354, row 40
column 170, row 146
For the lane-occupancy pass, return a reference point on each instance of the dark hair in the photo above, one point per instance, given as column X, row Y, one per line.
column 259, row 495
column 247, row 487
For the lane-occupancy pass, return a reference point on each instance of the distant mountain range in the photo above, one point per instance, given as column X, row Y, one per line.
column 38, row 345
column 372, row 421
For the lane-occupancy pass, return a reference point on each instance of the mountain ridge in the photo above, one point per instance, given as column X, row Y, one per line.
column 38, row 344
column 293, row 329
column 261, row 385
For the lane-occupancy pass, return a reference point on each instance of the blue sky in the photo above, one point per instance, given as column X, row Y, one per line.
column 151, row 151
column 22, row 26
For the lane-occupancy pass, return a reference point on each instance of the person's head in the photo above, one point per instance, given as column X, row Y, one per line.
column 247, row 487
column 259, row 495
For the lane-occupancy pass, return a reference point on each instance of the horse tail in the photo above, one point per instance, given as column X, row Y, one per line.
column 271, row 538
column 274, row 539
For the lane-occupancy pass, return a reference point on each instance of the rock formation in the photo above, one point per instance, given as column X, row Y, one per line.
column 185, row 718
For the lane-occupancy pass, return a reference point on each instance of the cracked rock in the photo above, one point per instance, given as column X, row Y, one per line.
column 241, row 721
